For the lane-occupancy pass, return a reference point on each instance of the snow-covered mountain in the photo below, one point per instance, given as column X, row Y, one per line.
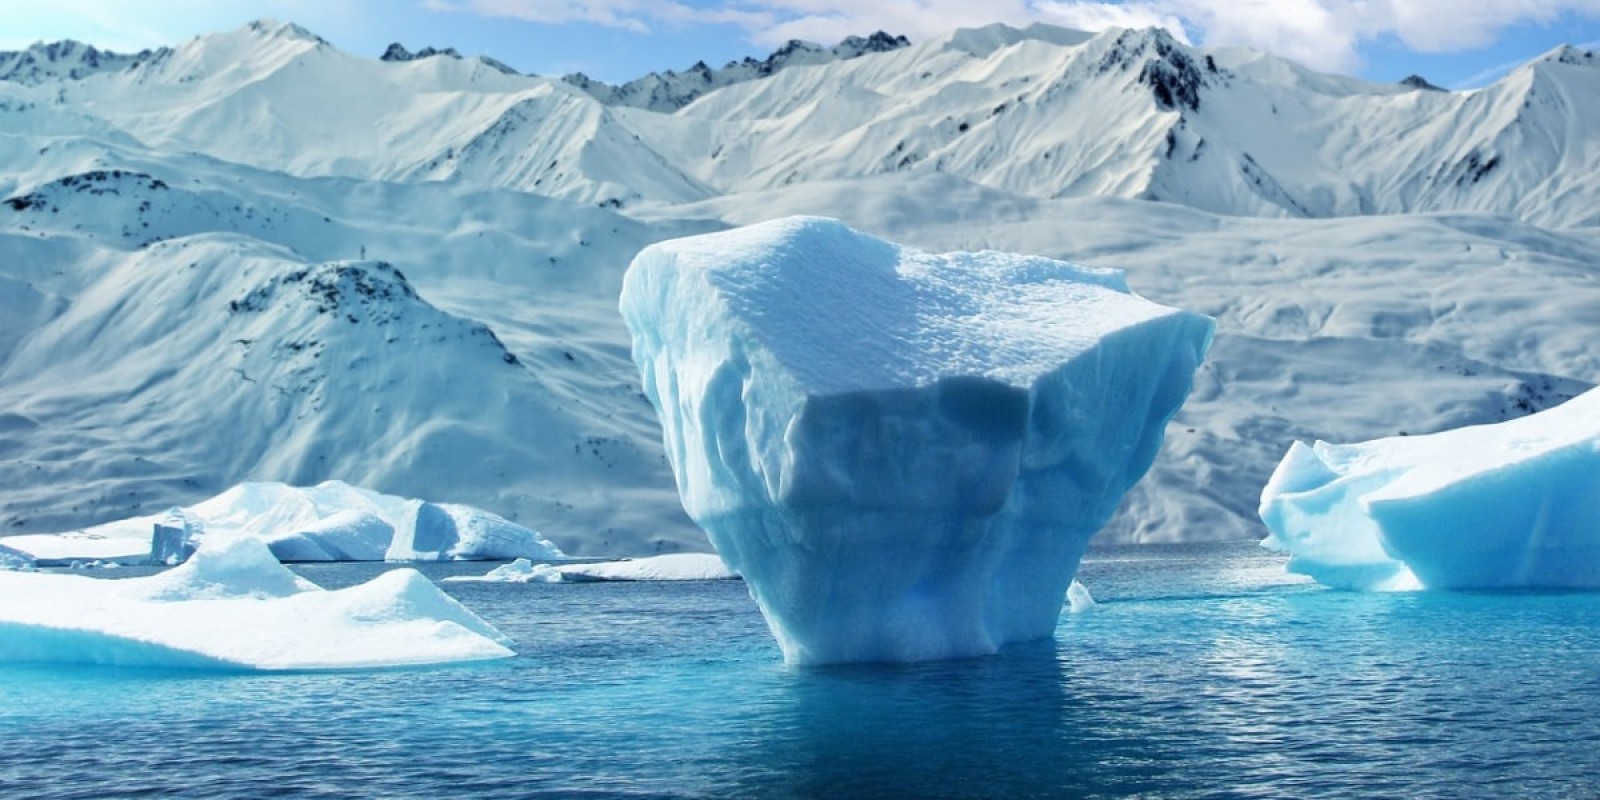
column 66, row 60
column 1041, row 112
column 398, row 52
column 254, row 257
column 669, row 91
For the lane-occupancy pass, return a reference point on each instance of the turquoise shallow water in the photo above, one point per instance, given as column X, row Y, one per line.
column 1205, row 672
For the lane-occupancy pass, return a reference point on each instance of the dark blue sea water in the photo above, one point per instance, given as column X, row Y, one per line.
column 1205, row 672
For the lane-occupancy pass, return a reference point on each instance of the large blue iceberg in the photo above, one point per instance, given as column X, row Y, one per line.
column 1510, row 505
column 904, row 454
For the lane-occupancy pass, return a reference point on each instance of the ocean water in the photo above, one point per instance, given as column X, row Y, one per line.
column 1204, row 672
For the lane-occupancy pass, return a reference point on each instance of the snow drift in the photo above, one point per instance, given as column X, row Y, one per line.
column 904, row 454
column 233, row 606
column 1516, row 504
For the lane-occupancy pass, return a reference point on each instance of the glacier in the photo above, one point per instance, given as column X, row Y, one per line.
column 1514, row 504
column 332, row 521
column 233, row 606
column 905, row 454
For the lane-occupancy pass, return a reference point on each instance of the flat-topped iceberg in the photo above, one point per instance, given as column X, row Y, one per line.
column 331, row 521
column 233, row 606
column 903, row 453
column 1514, row 504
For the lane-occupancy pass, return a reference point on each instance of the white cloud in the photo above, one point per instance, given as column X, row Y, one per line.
column 1323, row 34
column 1092, row 16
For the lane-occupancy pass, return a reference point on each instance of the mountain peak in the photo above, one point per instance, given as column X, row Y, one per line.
column 1418, row 82
column 273, row 29
column 1167, row 66
column 398, row 52
column 1567, row 54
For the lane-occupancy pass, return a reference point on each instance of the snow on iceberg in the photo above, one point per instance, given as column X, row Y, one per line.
column 233, row 606
column 1514, row 504
column 669, row 567
column 331, row 521
column 904, row 454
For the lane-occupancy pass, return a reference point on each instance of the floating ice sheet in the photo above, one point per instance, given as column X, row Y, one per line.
column 234, row 606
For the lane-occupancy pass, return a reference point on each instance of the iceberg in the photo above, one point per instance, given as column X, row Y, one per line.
column 1508, row 505
column 905, row 454
column 174, row 538
column 232, row 605
column 331, row 521
column 669, row 567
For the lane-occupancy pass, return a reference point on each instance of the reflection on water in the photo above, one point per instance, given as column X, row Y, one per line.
column 1204, row 672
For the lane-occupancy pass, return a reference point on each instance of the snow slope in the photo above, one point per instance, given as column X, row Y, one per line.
column 230, row 315
column 1385, row 259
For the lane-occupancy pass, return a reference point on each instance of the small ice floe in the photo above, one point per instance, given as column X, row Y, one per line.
column 670, row 567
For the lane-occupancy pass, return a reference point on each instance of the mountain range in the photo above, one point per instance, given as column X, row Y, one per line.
column 254, row 256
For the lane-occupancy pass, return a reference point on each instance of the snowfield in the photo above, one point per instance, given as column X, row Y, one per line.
column 253, row 257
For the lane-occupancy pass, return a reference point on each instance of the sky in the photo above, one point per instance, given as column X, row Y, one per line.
column 1457, row 44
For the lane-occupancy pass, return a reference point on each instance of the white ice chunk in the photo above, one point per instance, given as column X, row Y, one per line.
column 519, row 571
column 1078, row 598
column 232, row 605
column 668, row 567
column 904, row 454
column 446, row 531
column 174, row 538
column 346, row 535
column 1515, row 504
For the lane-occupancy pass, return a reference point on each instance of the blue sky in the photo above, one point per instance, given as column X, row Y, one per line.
column 1454, row 43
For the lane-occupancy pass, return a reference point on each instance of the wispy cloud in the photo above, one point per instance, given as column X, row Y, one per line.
column 1324, row 34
